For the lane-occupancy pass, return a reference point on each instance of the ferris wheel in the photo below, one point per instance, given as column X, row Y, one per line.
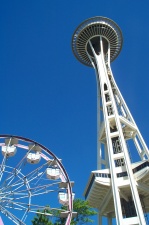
column 32, row 181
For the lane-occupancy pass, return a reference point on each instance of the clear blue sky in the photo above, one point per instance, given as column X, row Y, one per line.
column 47, row 95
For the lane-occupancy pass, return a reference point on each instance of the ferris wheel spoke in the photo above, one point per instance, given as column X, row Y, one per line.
column 52, row 212
column 11, row 216
column 36, row 174
column 18, row 168
column 37, row 169
column 17, row 205
column 36, row 190
column 38, row 209
column 42, row 187
column 2, row 167
column 13, row 174
column 18, row 185
column 21, row 206
column 23, row 193
column 16, row 173
column 13, row 193
column 26, row 195
column 9, row 198
column 24, row 215
column 43, row 192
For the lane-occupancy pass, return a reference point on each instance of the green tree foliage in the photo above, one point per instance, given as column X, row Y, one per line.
column 84, row 214
column 42, row 219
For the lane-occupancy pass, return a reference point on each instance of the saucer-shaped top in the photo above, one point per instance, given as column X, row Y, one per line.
column 94, row 27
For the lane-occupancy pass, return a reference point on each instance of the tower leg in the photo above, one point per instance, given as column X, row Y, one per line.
column 116, row 145
column 99, row 219
column 109, row 220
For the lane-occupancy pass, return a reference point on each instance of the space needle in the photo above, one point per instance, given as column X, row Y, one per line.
column 119, row 188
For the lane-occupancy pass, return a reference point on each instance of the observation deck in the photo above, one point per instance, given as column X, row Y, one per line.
column 93, row 28
column 99, row 190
